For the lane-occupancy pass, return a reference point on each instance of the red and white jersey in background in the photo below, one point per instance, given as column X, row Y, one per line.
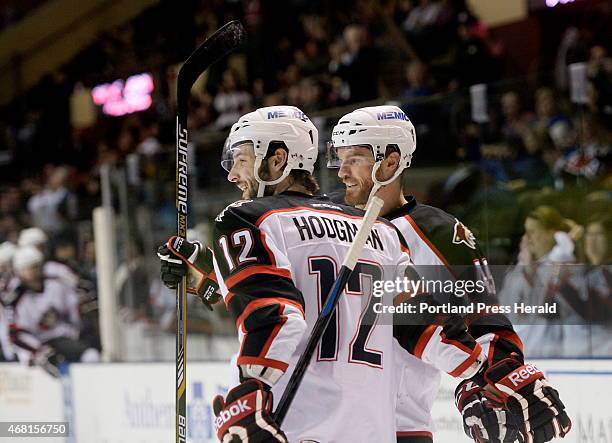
column 46, row 315
column 60, row 271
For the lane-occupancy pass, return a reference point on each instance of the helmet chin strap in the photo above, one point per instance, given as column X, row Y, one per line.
column 379, row 184
column 262, row 183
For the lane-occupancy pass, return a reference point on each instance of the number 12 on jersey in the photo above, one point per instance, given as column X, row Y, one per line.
column 325, row 270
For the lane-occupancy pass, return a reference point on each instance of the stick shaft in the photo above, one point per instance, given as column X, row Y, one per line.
column 222, row 42
column 181, row 292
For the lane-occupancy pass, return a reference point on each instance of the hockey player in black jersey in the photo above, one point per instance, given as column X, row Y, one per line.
column 372, row 147
column 275, row 259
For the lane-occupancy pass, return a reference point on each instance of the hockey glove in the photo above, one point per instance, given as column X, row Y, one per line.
column 524, row 391
column 245, row 415
column 482, row 420
column 201, row 279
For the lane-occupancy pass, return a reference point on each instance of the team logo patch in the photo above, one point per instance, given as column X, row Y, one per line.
column 463, row 235
column 236, row 204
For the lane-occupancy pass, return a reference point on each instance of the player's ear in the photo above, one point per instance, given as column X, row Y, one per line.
column 388, row 166
column 278, row 160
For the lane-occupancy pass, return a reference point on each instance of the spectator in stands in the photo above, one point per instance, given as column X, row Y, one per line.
column 419, row 81
column 584, row 294
column 598, row 241
column 516, row 121
column 545, row 244
column 357, row 66
column 232, row 101
column 311, row 59
column 547, row 110
column 575, row 160
column 474, row 61
column 12, row 214
column 531, row 165
column 55, row 207
column 310, row 95
column 598, row 251
column 420, row 24
column 600, row 79
column 149, row 143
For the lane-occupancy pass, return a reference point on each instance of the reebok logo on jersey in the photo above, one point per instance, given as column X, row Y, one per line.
column 463, row 235
column 237, row 408
column 392, row 115
column 526, row 373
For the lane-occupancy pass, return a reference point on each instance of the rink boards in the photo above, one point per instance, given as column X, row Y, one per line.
column 116, row 403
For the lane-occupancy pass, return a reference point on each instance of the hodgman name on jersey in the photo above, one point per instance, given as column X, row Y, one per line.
column 344, row 230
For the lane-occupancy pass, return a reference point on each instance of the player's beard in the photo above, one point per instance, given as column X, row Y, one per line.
column 358, row 194
column 250, row 186
column 264, row 174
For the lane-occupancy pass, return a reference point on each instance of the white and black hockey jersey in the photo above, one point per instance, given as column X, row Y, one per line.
column 441, row 248
column 441, row 244
column 276, row 260
column 45, row 315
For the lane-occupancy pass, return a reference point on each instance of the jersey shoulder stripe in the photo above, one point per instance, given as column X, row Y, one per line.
column 450, row 241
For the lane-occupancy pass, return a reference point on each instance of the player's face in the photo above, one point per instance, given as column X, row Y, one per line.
column 241, row 172
column 32, row 277
column 355, row 171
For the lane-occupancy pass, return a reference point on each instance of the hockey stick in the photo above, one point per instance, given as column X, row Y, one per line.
column 216, row 46
column 372, row 211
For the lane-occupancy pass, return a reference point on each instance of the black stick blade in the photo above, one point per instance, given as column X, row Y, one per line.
column 222, row 42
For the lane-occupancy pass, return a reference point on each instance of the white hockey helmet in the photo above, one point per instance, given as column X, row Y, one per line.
column 32, row 237
column 7, row 251
column 376, row 127
column 26, row 257
column 286, row 124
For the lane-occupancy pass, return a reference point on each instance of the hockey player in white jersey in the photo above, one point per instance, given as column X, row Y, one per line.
column 37, row 238
column 372, row 148
column 43, row 311
column 276, row 257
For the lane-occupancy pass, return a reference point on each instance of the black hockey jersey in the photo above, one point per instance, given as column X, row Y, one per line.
column 440, row 242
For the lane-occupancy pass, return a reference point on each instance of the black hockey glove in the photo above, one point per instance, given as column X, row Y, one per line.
column 177, row 257
column 482, row 420
column 524, row 391
column 245, row 415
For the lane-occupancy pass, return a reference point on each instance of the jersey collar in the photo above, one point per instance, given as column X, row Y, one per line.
column 297, row 194
column 402, row 210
